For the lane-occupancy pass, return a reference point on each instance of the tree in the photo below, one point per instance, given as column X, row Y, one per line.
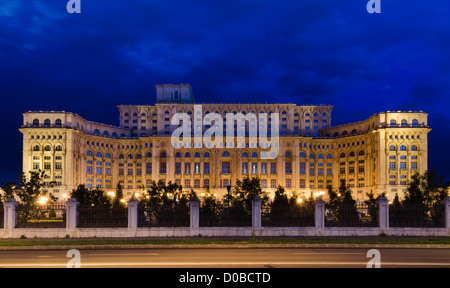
column 246, row 191
column 91, row 197
column 118, row 199
column 427, row 189
column 9, row 190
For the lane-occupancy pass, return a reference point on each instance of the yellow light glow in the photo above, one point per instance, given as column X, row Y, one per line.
column 42, row 200
column 299, row 200
column 111, row 194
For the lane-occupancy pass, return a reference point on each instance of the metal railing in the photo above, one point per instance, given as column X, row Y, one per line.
column 220, row 215
column 102, row 216
column 358, row 215
column 287, row 216
column 163, row 216
column 41, row 216
column 419, row 215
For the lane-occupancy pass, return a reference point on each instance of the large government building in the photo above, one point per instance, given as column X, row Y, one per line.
column 380, row 154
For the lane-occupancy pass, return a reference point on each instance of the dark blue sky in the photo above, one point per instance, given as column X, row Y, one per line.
column 303, row 52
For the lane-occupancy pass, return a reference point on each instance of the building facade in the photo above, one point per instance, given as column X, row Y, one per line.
column 380, row 154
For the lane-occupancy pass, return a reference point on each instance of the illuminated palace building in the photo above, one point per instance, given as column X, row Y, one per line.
column 380, row 154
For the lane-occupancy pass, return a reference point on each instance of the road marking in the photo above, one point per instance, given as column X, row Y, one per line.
column 122, row 254
column 320, row 253
column 157, row 264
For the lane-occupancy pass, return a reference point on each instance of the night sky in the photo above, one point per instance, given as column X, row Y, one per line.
column 234, row 51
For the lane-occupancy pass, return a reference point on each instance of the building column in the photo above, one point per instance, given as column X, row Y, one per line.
column 195, row 216
column 319, row 216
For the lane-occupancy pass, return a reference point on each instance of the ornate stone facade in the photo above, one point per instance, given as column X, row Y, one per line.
column 380, row 154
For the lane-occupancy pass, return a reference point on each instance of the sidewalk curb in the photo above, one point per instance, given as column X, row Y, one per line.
column 225, row 246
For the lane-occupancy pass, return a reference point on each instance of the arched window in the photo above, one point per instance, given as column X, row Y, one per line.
column 134, row 114
column 244, row 155
column 107, row 155
column 320, row 156
column 254, row 155
column 36, row 148
column 413, row 148
column 287, row 155
column 329, row 156
column 415, row 122
column 130, row 156
column 336, row 134
column 163, row 155
column 89, row 153
column 404, row 122
column 187, row 155
column 126, row 115
column 351, row 154
column 36, row 122
column 392, row 148
column 47, row 122
column 105, row 133
column 403, row 148
column 206, row 155
column 178, row 155
column 58, row 123
column 361, row 153
column 225, row 154
column 354, row 131
column 197, row 155
column 99, row 154
column 342, row 155
column 149, row 155
column 121, row 156
column 96, row 132
column 393, row 122
column 345, row 133
column 139, row 156
column 302, row 155
column 114, row 134
column 58, row 148
column 311, row 156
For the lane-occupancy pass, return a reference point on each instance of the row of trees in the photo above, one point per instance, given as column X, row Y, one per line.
column 161, row 198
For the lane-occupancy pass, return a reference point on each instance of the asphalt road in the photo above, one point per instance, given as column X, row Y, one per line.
column 228, row 258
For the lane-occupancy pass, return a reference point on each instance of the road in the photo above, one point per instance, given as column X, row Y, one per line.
column 228, row 258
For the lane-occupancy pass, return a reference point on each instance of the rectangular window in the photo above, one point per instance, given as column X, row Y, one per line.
column 162, row 168
column 254, row 168
column 263, row 183
column 205, row 168
column 187, row 183
column 391, row 165
column 311, row 171
column 130, row 172
column 288, row 183
column 273, row 183
column 121, row 172
column 287, row 168
column 205, row 183
column 148, row 169
column 98, row 170
column 58, row 165
column 187, row 168
column 89, row 169
column 196, row 183
column 177, row 168
column 413, row 165
column 361, row 169
column 263, row 168
column 225, row 167
column 302, row 168
column 138, row 172
column 302, row 183
column 319, row 171
column 273, row 168
column 403, row 165
column 244, row 168
column 197, row 170
column 329, row 171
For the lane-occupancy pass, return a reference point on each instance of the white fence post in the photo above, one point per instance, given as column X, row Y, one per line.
column 256, row 215
column 383, row 214
column 194, row 215
column 133, row 204
column 319, row 216
column 72, row 213
column 10, row 216
column 446, row 203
